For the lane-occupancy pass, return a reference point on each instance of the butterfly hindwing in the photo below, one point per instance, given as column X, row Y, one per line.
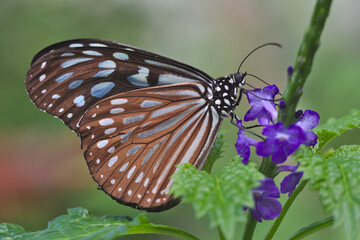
column 67, row 78
column 135, row 139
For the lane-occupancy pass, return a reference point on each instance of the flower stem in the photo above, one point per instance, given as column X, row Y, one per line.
column 249, row 227
column 314, row 227
column 306, row 53
column 221, row 235
column 286, row 207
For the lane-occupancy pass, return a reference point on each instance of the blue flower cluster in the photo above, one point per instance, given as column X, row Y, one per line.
column 279, row 143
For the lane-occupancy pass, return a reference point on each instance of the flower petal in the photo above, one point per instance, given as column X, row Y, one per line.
column 308, row 120
column 256, row 214
column 243, row 143
column 267, row 188
column 263, row 106
column 269, row 208
column 290, row 182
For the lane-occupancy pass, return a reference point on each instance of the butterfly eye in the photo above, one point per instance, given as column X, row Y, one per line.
column 243, row 81
column 138, row 114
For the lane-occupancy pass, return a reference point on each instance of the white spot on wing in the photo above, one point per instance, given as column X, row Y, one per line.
column 101, row 89
column 146, row 182
column 79, row 101
column 74, row 45
column 116, row 110
column 63, row 77
column 118, row 101
column 121, row 56
column 109, row 131
column 149, row 103
column 104, row 73
column 106, row 121
column 97, row 45
column 130, row 173
column 42, row 77
column 68, row 54
column 55, row 96
column 112, row 161
column 124, row 167
column 133, row 119
column 111, row 150
column 102, row 143
column 138, row 179
column 107, row 64
column 92, row 53
column 73, row 62
column 140, row 79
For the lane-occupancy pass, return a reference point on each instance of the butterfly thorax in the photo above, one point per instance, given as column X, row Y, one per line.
column 226, row 91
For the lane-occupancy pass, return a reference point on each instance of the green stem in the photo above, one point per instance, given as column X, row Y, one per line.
column 306, row 53
column 249, row 227
column 286, row 207
column 221, row 235
column 161, row 229
column 314, row 227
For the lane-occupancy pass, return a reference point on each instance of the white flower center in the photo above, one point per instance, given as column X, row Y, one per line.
column 282, row 136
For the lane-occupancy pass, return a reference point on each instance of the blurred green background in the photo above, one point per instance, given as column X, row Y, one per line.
column 42, row 170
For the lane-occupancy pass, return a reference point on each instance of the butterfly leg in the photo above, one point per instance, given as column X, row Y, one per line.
column 234, row 116
column 239, row 99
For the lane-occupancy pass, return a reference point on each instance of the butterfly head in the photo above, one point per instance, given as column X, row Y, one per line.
column 239, row 79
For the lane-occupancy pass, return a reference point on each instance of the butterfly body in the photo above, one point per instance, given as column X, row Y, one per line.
column 138, row 114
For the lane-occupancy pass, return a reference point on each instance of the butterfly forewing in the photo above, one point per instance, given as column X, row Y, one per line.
column 65, row 79
column 160, row 128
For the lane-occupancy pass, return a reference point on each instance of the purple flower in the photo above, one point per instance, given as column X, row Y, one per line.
column 282, row 105
column 263, row 107
column 290, row 71
column 307, row 122
column 289, row 183
column 280, row 142
column 266, row 205
column 243, row 143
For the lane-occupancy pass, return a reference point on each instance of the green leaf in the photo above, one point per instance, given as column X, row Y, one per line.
column 216, row 152
column 334, row 127
column 221, row 196
column 80, row 224
column 337, row 177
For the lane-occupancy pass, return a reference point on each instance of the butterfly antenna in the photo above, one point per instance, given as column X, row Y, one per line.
column 261, row 46
column 254, row 76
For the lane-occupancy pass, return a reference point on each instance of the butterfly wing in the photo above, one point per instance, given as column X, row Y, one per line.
column 67, row 78
column 135, row 139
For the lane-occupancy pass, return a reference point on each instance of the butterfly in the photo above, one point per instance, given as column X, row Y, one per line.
column 138, row 114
